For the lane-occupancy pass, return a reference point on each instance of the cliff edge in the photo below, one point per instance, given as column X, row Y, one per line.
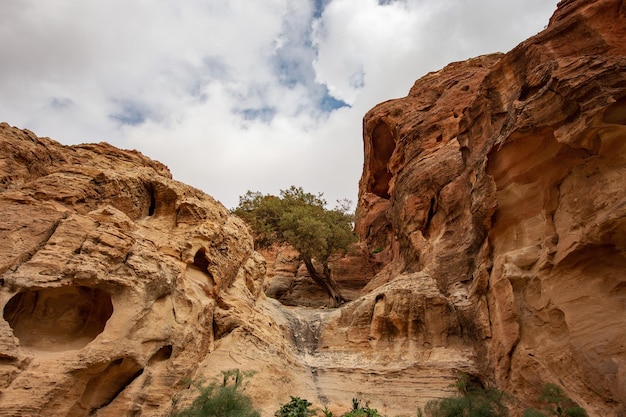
column 501, row 178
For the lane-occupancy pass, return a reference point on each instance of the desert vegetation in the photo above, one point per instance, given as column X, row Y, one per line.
column 471, row 400
column 302, row 220
column 555, row 403
column 225, row 400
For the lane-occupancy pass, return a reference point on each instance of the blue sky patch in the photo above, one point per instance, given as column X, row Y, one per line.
column 318, row 7
column 130, row 114
column 329, row 103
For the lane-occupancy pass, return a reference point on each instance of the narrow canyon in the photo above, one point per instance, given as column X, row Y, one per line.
column 492, row 241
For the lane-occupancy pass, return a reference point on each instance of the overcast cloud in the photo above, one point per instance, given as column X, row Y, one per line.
column 237, row 95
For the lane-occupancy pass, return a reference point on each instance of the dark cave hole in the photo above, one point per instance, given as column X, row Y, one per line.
column 57, row 319
column 383, row 146
column 200, row 260
column 152, row 206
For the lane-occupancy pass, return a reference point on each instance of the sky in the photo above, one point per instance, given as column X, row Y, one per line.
column 237, row 95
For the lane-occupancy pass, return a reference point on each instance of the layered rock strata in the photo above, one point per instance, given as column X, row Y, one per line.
column 119, row 286
column 502, row 179
column 111, row 276
column 492, row 216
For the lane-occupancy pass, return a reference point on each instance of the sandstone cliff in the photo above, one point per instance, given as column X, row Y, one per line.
column 119, row 284
column 502, row 179
column 111, row 279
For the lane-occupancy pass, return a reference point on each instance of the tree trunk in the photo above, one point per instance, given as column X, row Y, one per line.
column 326, row 281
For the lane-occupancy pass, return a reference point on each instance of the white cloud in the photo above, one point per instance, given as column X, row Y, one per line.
column 235, row 94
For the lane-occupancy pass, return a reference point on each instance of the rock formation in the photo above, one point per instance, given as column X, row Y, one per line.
column 492, row 218
column 111, row 279
column 288, row 280
column 501, row 178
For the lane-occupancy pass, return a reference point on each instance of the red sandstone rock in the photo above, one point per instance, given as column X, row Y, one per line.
column 117, row 283
column 502, row 178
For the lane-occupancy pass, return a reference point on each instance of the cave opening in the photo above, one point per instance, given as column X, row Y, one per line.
column 152, row 205
column 105, row 386
column 161, row 355
column 383, row 145
column 616, row 113
column 200, row 260
column 58, row 319
column 431, row 213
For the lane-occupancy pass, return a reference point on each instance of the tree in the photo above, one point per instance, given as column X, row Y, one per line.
column 301, row 220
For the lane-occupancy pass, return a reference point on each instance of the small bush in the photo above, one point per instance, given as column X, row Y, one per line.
column 359, row 411
column 327, row 412
column 296, row 407
column 472, row 401
column 226, row 400
column 556, row 404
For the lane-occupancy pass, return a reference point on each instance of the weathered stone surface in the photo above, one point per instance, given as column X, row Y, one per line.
column 118, row 284
column 502, row 178
column 111, row 278
column 289, row 281
column 492, row 213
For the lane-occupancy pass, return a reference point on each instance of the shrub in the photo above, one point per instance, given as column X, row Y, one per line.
column 296, row 407
column 359, row 411
column 226, row 400
column 473, row 400
column 556, row 404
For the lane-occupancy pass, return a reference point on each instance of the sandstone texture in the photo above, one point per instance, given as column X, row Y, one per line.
column 111, row 279
column 288, row 280
column 502, row 179
column 119, row 286
column 492, row 224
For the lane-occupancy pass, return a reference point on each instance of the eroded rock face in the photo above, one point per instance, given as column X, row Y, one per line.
column 58, row 318
column 289, row 281
column 502, row 178
column 117, row 283
column 112, row 279
column 492, row 213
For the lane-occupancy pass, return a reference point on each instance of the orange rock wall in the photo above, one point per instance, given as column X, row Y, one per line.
column 502, row 178
column 111, row 275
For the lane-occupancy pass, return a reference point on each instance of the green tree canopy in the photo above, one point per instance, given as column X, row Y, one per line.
column 302, row 220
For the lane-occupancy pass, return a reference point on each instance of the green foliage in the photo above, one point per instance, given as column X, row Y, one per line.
column 300, row 219
column 359, row 411
column 556, row 403
column 472, row 401
column 296, row 407
column 226, row 400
